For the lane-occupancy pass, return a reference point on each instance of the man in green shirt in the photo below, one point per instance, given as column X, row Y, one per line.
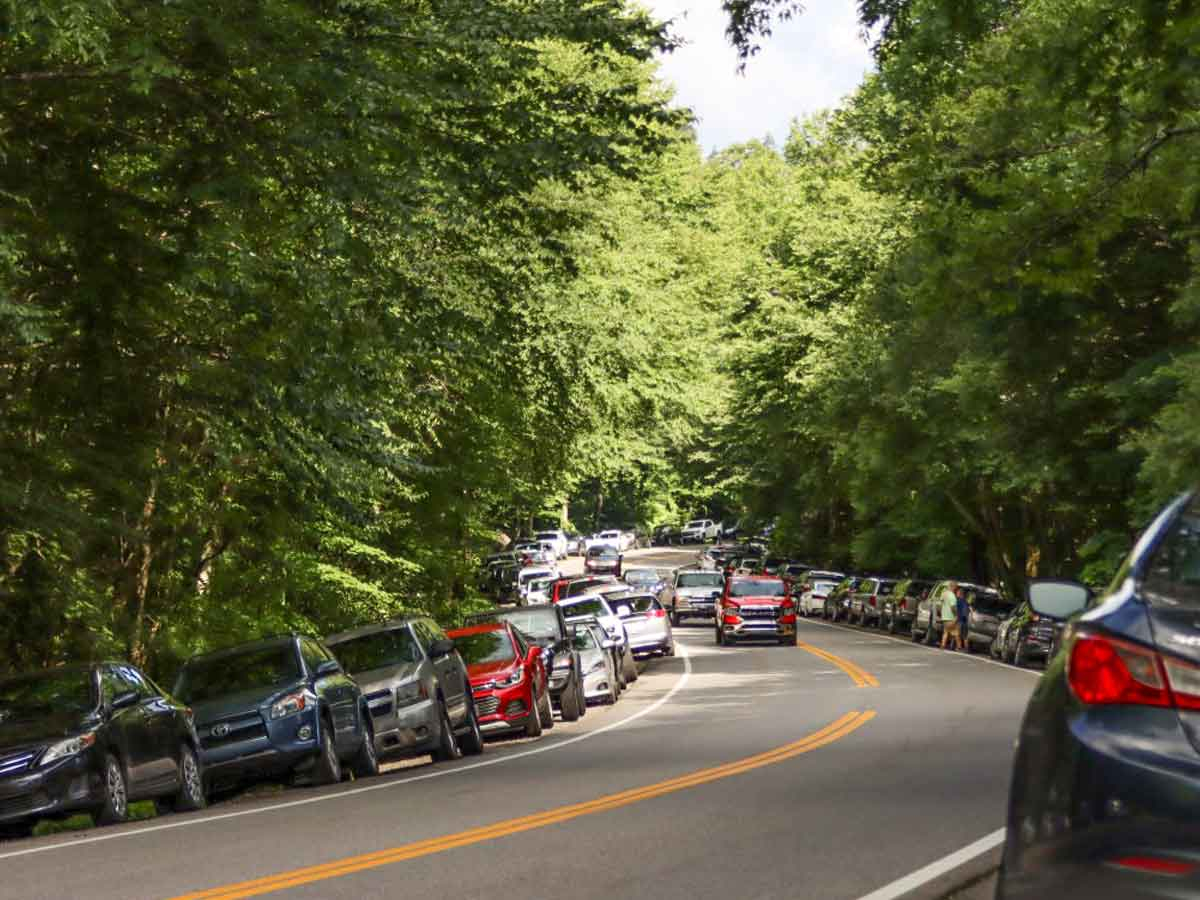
column 948, row 607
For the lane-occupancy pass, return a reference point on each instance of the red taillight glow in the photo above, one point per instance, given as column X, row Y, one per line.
column 656, row 614
column 1156, row 864
column 872, row 599
column 1103, row 670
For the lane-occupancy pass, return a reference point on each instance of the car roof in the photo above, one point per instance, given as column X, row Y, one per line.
column 275, row 640
column 483, row 628
column 364, row 630
column 755, row 578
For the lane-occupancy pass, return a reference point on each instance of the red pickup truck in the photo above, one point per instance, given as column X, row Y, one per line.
column 756, row 606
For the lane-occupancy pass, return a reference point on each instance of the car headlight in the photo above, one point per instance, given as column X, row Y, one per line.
column 515, row 678
column 596, row 666
column 409, row 693
column 289, row 705
column 70, row 747
column 563, row 662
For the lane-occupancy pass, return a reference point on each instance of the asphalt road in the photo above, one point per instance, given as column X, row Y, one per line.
column 824, row 771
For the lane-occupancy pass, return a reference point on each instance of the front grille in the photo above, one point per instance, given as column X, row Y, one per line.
column 758, row 614
column 515, row 708
column 380, row 703
column 487, row 706
column 13, row 763
column 234, row 730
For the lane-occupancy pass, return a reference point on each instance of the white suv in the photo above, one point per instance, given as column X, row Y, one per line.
column 557, row 538
column 698, row 531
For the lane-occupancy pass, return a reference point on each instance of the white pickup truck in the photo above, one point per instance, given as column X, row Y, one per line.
column 699, row 531
column 557, row 538
column 613, row 537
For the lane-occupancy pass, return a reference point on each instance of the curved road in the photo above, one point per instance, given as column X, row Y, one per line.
column 824, row 771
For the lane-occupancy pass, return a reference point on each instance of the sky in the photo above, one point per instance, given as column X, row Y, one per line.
column 807, row 64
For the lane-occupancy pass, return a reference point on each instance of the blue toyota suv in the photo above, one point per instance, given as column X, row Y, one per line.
column 281, row 706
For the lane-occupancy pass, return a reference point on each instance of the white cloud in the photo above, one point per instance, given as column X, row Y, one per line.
column 809, row 63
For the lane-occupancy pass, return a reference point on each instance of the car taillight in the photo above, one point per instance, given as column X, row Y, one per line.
column 1104, row 670
column 872, row 598
column 656, row 614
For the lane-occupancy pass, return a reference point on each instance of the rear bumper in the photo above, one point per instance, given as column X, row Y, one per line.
column 71, row 785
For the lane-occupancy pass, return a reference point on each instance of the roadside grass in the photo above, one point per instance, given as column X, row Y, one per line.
column 143, row 809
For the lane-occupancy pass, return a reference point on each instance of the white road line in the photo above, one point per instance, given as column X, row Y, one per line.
column 353, row 792
column 915, row 646
column 902, row 886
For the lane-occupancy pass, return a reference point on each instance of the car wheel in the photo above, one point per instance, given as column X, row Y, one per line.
column 366, row 762
column 570, row 703
column 613, row 696
column 930, row 635
column 191, row 795
column 533, row 722
column 546, row 711
column 1019, row 654
column 669, row 649
column 914, row 635
column 631, row 672
column 115, row 808
column 447, row 748
column 328, row 767
column 892, row 627
column 472, row 741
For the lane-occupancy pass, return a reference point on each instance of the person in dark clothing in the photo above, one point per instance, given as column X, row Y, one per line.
column 964, row 614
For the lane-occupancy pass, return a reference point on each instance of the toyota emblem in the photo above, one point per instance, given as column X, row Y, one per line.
column 220, row 730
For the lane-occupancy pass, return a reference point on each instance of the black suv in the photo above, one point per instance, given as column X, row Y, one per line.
column 92, row 739
column 543, row 624
column 274, row 707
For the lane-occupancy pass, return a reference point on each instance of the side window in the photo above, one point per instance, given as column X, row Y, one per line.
column 111, row 684
column 1172, row 576
column 311, row 654
column 424, row 637
column 522, row 647
column 134, row 681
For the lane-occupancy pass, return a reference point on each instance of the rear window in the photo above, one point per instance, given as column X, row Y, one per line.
column 823, row 587
column 547, row 536
column 580, row 587
column 700, row 579
column 638, row 605
column 757, row 588
column 595, row 607
column 604, row 551
column 989, row 602
column 885, row 588
column 485, row 647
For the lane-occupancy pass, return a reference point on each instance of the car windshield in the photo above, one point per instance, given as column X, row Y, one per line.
column 59, row 691
column 540, row 584
column 537, row 623
column 547, row 536
column 584, row 640
column 641, row 576
column 587, row 607
column 700, row 579
column 485, row 647
column 823, row 587
column 209, row 677
column 795, row 570
column 885, row 588
column 695, row 523
column 602, row 552
column 393, row 647
column 758, row 587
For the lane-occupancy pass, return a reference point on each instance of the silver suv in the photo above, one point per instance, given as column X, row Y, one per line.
column 693, row 594
column 416, row 688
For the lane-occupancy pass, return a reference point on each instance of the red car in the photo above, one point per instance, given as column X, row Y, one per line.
column 508, row 678
column 756, row 606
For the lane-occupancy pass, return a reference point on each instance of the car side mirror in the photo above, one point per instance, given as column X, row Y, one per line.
column 1056, row 599
column 328, row 667
column 441, row 647
column 124, row 700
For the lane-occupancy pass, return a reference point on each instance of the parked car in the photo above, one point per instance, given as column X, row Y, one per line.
column 756, row 606
column 591, row 606
column 793, row 573
column 694, row 594
column 613, row 537
column 1028, row 636
column 645, row 622
column 576, row 544
column 537, row 590
column 93, row 739
column 528, row 575
column 900, row 608
column 595, row 655
column 750, row 565
column 557, row 540
column 927, row 622
column 867, row 598
column 837, row 602
column 535, row 553
column 416, row 688
column 603, row 559
column 645, row 579
column 774, row 565
column 546, row 625
column 1000, row 641
column 699, row 531
column 988, row 609
column 280, row 706
column 813, row 589
column 664, row 535
column 509, row 682
column 1105, row 776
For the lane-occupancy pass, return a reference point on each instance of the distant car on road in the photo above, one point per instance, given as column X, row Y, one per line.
column 900, row 608
column 556, row 539
column 837, row 602
column 508, row 678
column 812, row 590
column 694, row 594
column 645, row 621
column 867, row 599
column 1107, row 766
column 276, row 707
column 699, row 531
column 665, row 535
column 599, row 671
column 756, row 606
column 415, row 686
column 603, row 559
column 591, row 606
column 93, row 739
column 1027, row 635
column 645, row 579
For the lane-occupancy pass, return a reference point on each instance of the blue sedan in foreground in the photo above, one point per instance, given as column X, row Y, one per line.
column 1105, row 799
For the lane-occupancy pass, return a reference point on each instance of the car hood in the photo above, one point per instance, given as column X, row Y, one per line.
column 377, row 679
column 757, row 601
column 702, row 592
column 241, row 702
column 42, row 730
column 487, row 671
column 588, row 658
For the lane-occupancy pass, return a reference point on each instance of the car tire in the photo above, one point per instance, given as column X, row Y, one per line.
column 533, row 722
column 546, row 711
column 366, row 762
column 472, row 742
column 613, row 695
column 1019, row 654
column 328, row 767
column 447, row 748
column 669, row 649
column 631, row 672
column 191, row 795
column 914, row 635
column 115, row 808
column 930, row 635
column 569, row 704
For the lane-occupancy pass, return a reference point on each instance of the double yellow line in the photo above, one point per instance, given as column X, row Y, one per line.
column 832, row 732
column 861, row 677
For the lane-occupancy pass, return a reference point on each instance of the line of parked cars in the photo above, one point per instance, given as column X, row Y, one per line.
column 296, row 708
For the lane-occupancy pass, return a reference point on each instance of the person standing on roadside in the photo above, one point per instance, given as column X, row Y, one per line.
column 963, row 608
column 948, row 602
